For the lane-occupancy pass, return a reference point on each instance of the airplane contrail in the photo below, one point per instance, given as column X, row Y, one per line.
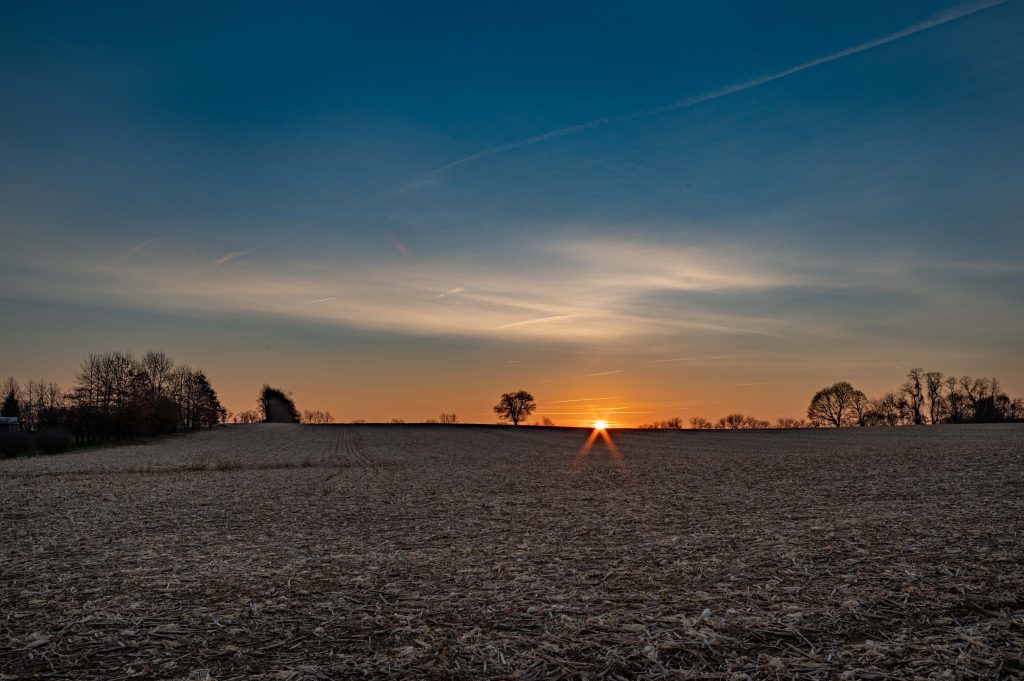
column 944, row 17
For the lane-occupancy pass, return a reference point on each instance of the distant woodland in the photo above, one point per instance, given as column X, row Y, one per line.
column 925, row 398
column 118, row 396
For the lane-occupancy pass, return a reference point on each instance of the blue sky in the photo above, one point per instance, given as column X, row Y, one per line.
column 196, row 177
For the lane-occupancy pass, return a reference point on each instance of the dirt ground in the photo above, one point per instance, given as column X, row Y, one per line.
column 287, row 552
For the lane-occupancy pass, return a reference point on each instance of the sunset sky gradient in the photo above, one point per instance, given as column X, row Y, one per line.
column 634, row 211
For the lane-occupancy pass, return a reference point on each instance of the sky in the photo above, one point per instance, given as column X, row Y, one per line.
column 632, row 210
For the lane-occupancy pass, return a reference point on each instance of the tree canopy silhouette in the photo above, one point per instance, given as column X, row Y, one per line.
column 840, row 404
column 515, row 407
column 277, row 406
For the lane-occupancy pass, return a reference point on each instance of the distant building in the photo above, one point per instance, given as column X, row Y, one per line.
column 9, row 423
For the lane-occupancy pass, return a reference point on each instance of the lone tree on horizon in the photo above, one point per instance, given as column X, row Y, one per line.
column 515, row 407
column 277, row 406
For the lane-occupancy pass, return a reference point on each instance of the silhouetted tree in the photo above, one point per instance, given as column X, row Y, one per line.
column 515, row 407
column 700, row 423
column 888, row 410
column 317, row 416
column 933, row 381
column 277, row 406
column 156, row 369
column 786, row 422
column 913, row 389
column 956, row 401
column 248, row 416
column 731, row 422
column 861, row 408
column 44, row 396
column 10, row 407
column 754, row 423
column 836, row 405
column 447, row 418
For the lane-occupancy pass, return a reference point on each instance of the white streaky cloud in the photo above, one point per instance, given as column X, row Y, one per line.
column 451, row 292
column 712, row 358
column 538, row 320
column 951, row 14
column 584, row 399
column 592, row 292
column 231, row 256
column 114, row 262
column 606, row 373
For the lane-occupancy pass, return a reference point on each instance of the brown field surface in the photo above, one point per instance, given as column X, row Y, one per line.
column 286, row 552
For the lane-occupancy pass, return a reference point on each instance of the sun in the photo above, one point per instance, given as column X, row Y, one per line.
column 600, row 424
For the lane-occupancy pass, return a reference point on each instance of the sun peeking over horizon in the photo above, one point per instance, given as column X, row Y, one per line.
column 599, row 431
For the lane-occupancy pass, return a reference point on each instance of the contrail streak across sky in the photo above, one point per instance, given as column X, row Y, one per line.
column 944, row 17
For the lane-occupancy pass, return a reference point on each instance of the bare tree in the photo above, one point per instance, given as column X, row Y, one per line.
column 674, row 423
column 861, row 407
column 447, row 418
column 731, row 422
column 888, row 410
column 786, row 422
column 156, row 368
column 248, row 416
column 515, row 407
column 913, row 389
column 836, row 405
column 956, row 401
column 700, row 423
column 754, row 423
column 936, row 402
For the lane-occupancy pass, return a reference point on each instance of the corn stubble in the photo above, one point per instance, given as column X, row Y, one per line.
column 287, row 552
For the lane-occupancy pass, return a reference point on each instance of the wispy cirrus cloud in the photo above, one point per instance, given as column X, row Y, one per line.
column 228, row 257
column 114, row 262
column 657, row 295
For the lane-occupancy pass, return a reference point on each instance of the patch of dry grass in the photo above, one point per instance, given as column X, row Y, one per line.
column 312, row 552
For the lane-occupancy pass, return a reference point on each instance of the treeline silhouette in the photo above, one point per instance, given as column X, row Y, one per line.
column 728, row 422
column 926, row 397
column 116, row 396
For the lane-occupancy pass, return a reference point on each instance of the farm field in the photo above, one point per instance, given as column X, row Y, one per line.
column 288, row 552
